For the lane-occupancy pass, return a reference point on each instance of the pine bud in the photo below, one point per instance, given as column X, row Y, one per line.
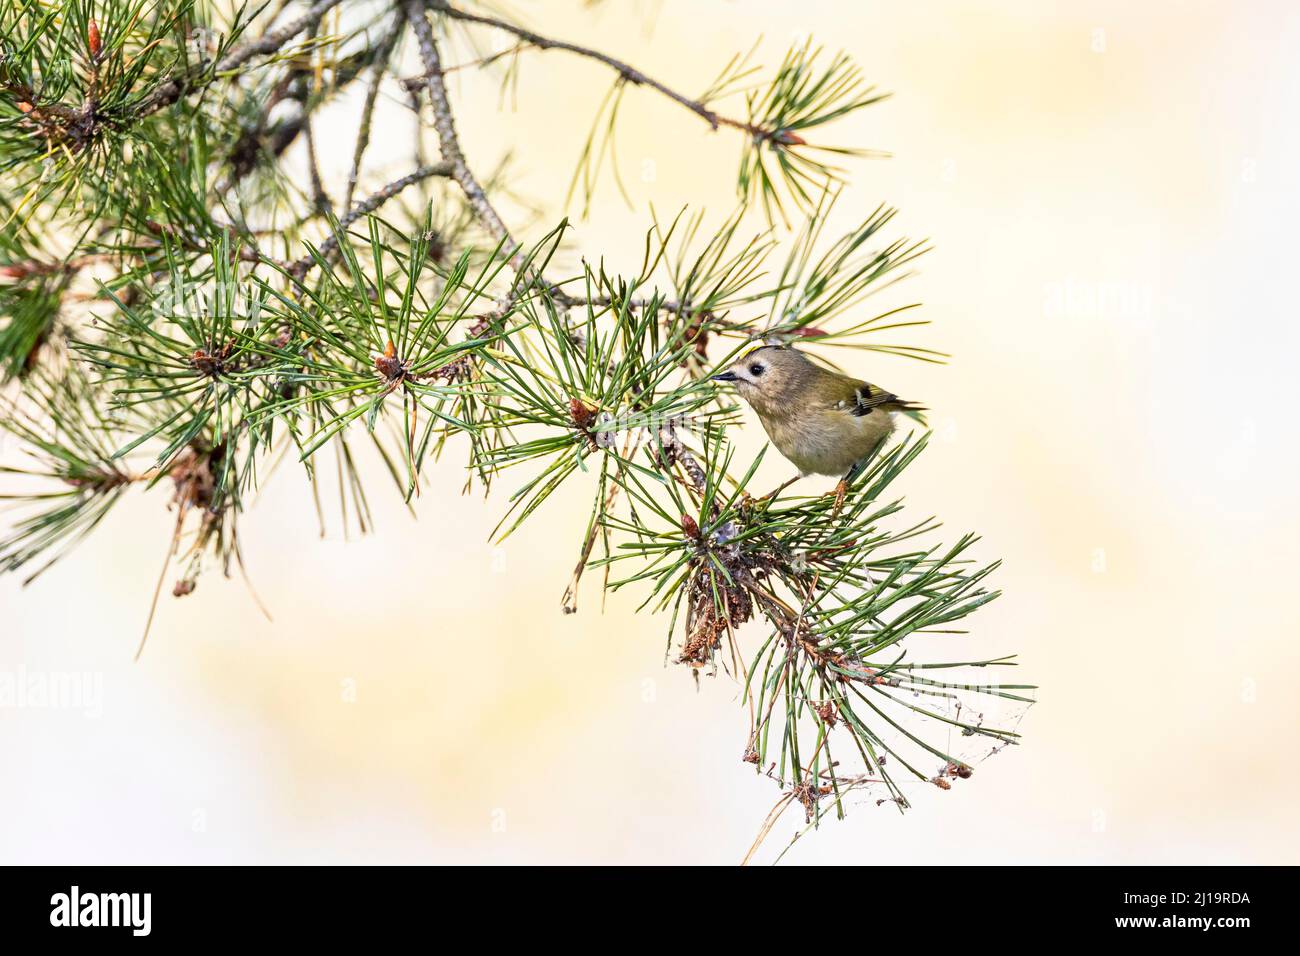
column 690, row 528
column 94, row 42
column 389, row 365
column 581, row 413
column 787, row 138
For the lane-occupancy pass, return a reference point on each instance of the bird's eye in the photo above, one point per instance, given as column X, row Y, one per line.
column 756, row 369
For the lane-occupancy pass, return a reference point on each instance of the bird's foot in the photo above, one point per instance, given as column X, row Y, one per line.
column 841, row 490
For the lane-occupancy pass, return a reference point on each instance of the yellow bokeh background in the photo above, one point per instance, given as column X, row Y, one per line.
column 1110, row 190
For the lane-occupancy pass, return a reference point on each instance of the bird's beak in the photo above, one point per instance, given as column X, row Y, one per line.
column 724, row 377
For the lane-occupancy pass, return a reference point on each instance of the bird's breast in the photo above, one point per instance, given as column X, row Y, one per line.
column 829, row 442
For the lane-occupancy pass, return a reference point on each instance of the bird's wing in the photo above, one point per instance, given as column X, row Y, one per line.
column 867, row 398
column 861, row 398
column 837, row 392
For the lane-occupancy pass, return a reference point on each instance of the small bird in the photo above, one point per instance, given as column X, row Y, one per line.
column 824, row 422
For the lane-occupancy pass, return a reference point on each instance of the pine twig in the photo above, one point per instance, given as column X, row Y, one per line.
column 170, row 91
column 448, row 141
column 367, row 206
column 625, row 71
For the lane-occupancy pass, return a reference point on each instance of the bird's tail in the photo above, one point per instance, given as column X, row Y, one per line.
column 911, row 409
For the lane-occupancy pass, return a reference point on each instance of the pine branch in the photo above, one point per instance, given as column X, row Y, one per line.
column 447, row 138
column 625, row 71
column 164, row 319
column 172, row 89
column 273, row 40
column 799, row 99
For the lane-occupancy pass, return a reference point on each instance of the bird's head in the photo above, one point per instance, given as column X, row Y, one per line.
column 767, row 376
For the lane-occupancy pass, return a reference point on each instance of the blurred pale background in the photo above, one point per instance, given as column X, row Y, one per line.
column 1110, row 188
